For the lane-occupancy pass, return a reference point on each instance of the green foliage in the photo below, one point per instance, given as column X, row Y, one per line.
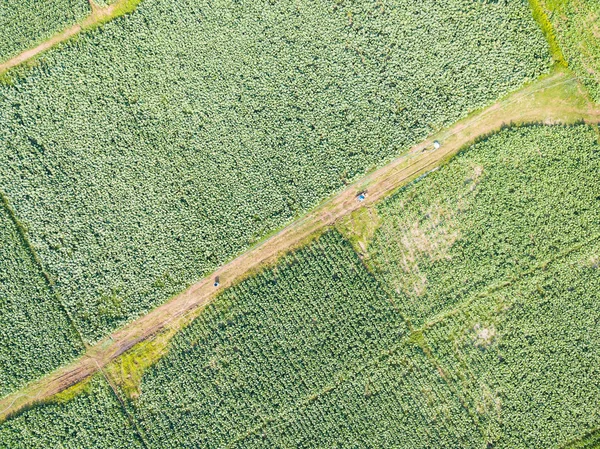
column 273, row 341
column 35, row 334
column 541, row 18
column 526, row 358
column 312, row 353
column 499, row 209
column 91, row 419
column 399, row 401
column 577, row 25
column 25, row 23
column 153, row 149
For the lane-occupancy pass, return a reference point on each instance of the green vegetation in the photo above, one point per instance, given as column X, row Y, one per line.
column 35, row 334
column 590, row 440
column 576, row 25
column 273, row 341
column 504, row 207
column 127, row 370
column 143, row 155
column 539, row 13
column 499, row 350
column 25, row 23
column 93, row 418
column 505, row 354
column 526, row 358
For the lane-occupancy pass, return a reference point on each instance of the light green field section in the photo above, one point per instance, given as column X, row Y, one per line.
column 500, row 209
column 148, row 152
column 525, row 358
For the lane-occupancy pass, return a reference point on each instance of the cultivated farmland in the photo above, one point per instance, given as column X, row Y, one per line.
column 267, row 344
column 88, row 416
column 144, row 155
column 446, row 300
column 576, row 28
column 35, row 334
column 324, row 349
column 24, row 23
column 263, row 366
column 505, row 206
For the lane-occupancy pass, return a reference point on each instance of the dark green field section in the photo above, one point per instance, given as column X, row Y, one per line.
column 397, row 401
column 267, row 346
column 145, row 154
column 35, row 334
column 26, row 23
column 500, row 209
column 94, row 418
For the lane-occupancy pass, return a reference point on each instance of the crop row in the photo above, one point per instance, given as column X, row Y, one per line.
column 265, row 345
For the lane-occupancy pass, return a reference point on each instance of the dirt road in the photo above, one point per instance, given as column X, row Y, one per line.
column 99, row 15
column 552, row 99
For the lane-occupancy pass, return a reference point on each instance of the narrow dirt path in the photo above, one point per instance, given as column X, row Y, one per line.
column 99, row 15
column 548, row 100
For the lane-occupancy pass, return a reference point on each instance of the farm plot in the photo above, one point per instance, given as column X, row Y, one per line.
column 144, row 155
column 526, row 358
column 24, row 23
column 271, row 342
column 35, row 334
column 499, row 209
column 312, row 352
column 576, row 25
column 87, row 416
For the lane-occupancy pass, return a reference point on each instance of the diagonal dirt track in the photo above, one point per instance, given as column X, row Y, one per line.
column 553, row 99
column 98, row 16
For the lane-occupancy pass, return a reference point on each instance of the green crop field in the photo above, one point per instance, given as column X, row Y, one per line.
column 89, row 416
column 328, row 349
column 143, row 155
column 576, row 27
column 25, row 23
column 35, row 333
column 412, row 188
column 502, row 208
column 259, row 372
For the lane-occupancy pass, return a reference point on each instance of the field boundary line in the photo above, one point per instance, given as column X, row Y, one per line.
column 21, row 230
column 130, row 418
